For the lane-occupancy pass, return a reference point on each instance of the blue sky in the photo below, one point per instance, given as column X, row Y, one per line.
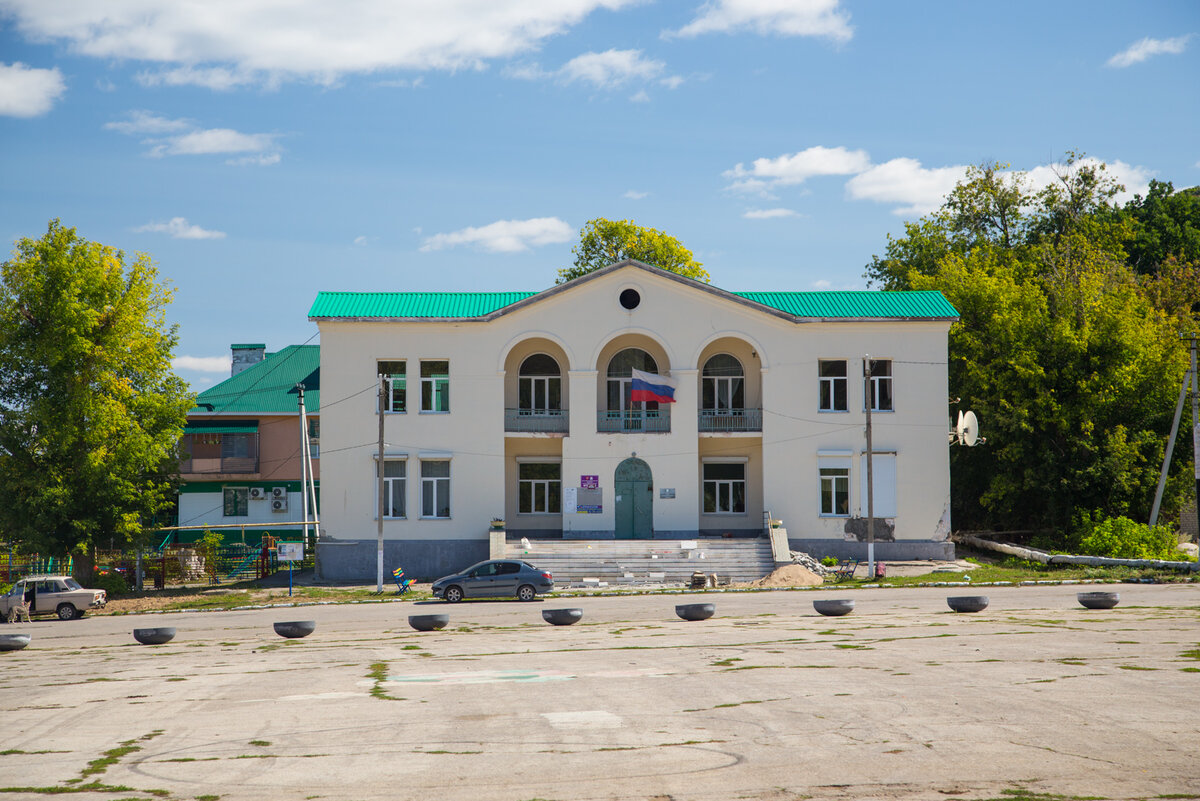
column 262, row 155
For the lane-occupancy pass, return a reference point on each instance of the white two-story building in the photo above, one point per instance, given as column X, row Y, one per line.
column 517, row 405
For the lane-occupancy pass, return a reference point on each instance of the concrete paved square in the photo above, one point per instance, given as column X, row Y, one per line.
column 767, row 700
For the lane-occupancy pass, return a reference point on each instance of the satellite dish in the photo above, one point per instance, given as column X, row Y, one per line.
column 967, row 428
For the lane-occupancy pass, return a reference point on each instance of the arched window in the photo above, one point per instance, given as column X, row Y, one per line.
column 620, row 380
column 539, row 385
column 724, row 384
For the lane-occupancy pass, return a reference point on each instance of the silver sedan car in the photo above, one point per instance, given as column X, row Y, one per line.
column 495, row 578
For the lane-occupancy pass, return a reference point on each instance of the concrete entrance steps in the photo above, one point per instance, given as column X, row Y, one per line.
column 625, row 562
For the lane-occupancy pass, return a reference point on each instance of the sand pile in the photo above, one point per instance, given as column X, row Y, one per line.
column 789, row 576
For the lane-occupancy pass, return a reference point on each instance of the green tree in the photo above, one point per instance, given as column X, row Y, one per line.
column 1060, row 348
column 603, row 242
column 90, row 412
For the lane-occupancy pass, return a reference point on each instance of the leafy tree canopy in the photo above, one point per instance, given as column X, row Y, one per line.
column 603, row 242
column 90, row 412
column 1071, row 359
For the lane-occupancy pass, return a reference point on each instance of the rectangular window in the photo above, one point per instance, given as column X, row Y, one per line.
column 539, row 489
column 237, row 501
column 394, row 376
column 435, row 488
column 835, row 487
column 724, row 489
column 883, row 479
column 435, row 386
column 880, row 391
column 832, row 377
column 314, row 437
column 395, row 482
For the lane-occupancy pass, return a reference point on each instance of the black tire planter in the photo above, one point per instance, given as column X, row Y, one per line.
column 1098, row 600
column 967, row 603
column 295, row 629
column 834, row 608
column 14, row 642
column 154, row 636
column 562, row 617
column 695, row 611
column 428, row 622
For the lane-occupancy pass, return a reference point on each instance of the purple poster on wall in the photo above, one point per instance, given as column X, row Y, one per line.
column 589, row 482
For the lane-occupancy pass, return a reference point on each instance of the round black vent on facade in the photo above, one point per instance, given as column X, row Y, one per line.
column 630, row 299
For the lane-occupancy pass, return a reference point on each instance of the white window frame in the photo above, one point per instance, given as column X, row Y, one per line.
column 433, row 382
column 389, row 483
column 536, row 486
column 832, row 472
column 394, row 381
column 883, row 478
column 728, row 484
column 832, row 382
column 871, row 393
column 440, row 485
column 539, row 387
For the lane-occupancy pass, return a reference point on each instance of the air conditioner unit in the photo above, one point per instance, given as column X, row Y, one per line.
column 279, row 492
column 257, row 493
column 279, row 505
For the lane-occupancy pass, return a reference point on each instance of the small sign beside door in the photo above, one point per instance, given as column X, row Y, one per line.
column 666, row 492
column 589, row 482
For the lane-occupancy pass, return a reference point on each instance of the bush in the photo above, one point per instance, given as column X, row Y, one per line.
column 114, row 584
column 1122, row 538
column 830, row 561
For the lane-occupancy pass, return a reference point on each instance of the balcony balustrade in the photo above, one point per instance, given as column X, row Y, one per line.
column 217, row 464
column 537, row 421
column 640, row 421
column 730, row 420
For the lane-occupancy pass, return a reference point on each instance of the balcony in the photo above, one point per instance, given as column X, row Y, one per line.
column 225, row 465
column 642, row 421
column 537, row 421
column 730, row 420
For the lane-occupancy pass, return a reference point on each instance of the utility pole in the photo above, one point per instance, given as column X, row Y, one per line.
column 1196, row 429
column 303, row 462
column 382, row 499
column 870, row 400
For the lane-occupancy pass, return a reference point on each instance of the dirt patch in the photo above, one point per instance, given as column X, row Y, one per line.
column 788, row 576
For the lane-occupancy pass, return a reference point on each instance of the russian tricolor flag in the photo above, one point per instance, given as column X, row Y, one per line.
column 653, row 387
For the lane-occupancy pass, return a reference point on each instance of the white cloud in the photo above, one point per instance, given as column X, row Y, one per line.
column 180, row 228
column 633, row 194
column 771, row 17
column 146, row 122
column 360, row 241
column 904, row 181
column 1143, row 49
column 185, row 139
column 610, row 69
column 217, row 78
column 203, row 364
column 768, row 214
column 28, row 91
column 223, row 43
column 821, row 284
column 672, row 82
column 505, row 236
column 639, row 97
column 796, row 168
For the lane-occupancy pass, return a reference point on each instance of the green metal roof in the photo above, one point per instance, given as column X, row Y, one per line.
column 412, row 304
column 269, row 386
column 250, row 346
column 828, row 305
column 220, row 427
column 856, row 304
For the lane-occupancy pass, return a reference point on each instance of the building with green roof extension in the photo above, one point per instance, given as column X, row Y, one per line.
column 631, row 404
column 240, row 455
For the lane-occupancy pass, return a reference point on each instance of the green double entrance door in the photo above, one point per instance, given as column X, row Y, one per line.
column 633, row 486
